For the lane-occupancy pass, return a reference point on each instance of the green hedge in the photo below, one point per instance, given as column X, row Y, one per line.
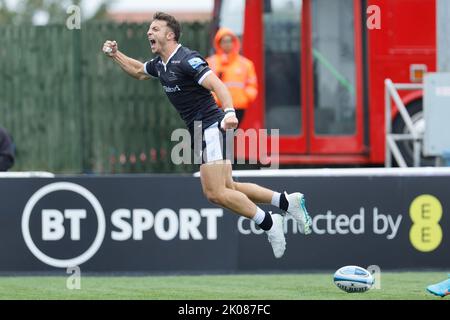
column 71, row 110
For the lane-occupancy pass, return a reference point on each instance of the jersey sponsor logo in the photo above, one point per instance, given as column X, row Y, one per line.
column 171, row 89
column 196, row 63
column 175, row 61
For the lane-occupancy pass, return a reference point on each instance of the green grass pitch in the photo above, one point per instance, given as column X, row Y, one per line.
column 394, row 286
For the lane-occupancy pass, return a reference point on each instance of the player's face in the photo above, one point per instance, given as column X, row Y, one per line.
column 157, row 35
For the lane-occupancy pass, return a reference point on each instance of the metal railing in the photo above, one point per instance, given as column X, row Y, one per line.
column 391, row 94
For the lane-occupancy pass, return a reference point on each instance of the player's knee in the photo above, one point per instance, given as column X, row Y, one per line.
column 213, row 196
column 231, row 185
column 236, row 185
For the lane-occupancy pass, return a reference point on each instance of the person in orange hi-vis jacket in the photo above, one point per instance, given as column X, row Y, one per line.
column 235, row 71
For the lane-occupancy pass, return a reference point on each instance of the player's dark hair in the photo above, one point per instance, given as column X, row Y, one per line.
column 172, row 23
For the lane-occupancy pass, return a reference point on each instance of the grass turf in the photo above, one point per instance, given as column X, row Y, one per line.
column 394, row 286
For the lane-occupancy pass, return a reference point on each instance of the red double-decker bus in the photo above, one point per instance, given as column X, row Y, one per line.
column 322, row 68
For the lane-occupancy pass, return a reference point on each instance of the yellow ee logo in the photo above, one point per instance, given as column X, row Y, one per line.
column 426, row 233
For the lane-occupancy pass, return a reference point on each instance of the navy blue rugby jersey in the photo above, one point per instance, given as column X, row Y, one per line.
column 181, row 79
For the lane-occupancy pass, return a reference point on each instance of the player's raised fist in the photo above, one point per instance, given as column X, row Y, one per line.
column 110, row 48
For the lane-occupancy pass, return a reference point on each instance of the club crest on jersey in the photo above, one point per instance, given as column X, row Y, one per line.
column 172, row 76
column 196, row 63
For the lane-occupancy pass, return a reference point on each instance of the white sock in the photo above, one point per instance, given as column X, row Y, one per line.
column 259, row 216
column 276, row 199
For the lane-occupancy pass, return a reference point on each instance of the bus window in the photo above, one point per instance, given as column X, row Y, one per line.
column 232, row 16
column 282, row 65
column 334, row 67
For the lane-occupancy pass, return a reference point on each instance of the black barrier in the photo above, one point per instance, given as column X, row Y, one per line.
column 164, row 224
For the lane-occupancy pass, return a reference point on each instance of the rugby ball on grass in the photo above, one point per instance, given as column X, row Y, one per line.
column 353, row 279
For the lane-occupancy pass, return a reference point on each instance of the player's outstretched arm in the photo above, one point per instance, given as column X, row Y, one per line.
column 131, row 66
